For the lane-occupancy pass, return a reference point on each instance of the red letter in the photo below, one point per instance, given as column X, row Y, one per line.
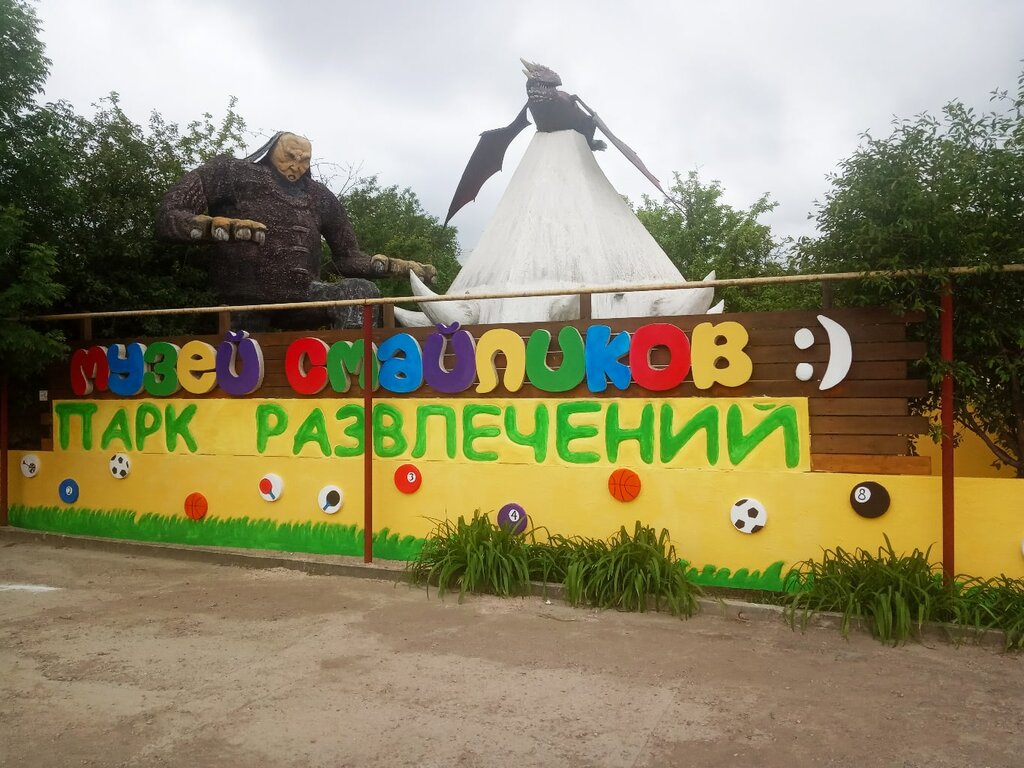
column 88, row 366
column 305, row 365
column 646, row 339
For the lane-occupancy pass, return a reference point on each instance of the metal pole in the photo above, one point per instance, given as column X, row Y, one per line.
column 367, row 433
column 4, row 415
column 948, row 532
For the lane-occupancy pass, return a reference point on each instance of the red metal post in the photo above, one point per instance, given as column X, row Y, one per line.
column 4, row 414
column 367, row 433
column 948, row 534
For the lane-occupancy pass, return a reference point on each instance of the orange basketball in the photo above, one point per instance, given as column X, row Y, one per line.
column 624, row 484
column 196, row 506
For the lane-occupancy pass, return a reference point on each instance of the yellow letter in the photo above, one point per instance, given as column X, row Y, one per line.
column 724, row 341
column 197, row 367
column 490, row 344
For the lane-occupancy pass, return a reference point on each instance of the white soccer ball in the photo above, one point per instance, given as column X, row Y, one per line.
column 120, row 465
column 748, row 516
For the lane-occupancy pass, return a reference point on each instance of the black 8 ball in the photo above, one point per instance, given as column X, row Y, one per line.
column 869, row 499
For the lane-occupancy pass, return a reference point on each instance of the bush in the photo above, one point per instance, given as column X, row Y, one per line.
column 625, row 572
column 894, row 595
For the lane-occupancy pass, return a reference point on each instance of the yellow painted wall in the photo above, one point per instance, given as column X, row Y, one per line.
column 971, row 457
column 806, row 511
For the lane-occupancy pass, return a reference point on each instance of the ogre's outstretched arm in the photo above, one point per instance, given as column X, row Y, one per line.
column 345, row 254
column 182, row 216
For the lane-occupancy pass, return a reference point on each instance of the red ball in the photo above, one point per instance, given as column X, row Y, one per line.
column 408, row 478
column 196, row 506
column 624, row 484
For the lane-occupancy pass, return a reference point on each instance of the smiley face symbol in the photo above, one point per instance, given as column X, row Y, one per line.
column 840, row 353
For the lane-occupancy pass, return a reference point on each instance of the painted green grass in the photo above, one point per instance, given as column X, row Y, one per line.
column 313, row 538
column 771, row 580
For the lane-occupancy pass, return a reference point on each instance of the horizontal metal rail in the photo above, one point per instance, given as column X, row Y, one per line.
column 582, row 290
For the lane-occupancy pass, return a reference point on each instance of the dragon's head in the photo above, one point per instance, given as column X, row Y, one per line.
column 538, row 73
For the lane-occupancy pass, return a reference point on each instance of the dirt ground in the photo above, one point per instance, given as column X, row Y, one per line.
column 147, row 661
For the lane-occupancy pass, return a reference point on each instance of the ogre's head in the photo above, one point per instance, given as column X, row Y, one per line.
column 538, row 73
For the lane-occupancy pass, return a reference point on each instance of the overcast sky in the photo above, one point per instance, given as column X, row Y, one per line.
column 762, row 96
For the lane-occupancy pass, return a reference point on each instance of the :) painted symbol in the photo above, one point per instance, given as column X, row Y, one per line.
column 840, row 353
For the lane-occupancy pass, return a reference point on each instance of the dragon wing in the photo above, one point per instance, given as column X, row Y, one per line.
column 625, row 150
column 485, row 161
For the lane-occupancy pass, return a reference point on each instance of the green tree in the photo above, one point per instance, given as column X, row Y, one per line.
column 702, row 233
column 392, row 221
column 26, row 288
column 27, row 262
column 22, row 58
column 940, row 192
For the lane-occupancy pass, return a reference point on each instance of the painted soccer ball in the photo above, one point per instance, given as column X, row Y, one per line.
column 330, row 499
column 748, row 516
column 120, row 466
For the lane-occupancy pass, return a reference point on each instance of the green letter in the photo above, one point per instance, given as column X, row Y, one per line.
column 566, row 433
column 471, row 432
column 538, row 439
column 740, row 445
column 64, row 413
column 572, row 370
column 345, row 357
column 391, row 431
column 615, row 434
column 264, row 429
column 447, row 413
column 177, row 426
column 706, row 418
column 117, row 429
column 162, row 378
column 312, row 430
column 147, row 422
column 354, row 430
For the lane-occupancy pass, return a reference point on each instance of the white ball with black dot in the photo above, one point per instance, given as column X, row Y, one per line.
column 330, row 499
column 748, row 516
column 120, row 466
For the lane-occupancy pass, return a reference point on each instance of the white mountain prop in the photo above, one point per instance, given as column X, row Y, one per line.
column 561, row 224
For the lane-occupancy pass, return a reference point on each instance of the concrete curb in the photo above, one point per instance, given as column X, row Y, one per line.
column 317, row 565
column 714, row 603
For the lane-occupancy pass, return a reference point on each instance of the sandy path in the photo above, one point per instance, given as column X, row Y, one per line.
column 143, row 661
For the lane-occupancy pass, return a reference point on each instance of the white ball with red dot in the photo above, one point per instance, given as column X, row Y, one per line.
column 271, row 487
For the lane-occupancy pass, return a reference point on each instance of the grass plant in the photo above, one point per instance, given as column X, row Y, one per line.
column 996, row 603
column 892, row 594
column 473, row 556
column 629, row 572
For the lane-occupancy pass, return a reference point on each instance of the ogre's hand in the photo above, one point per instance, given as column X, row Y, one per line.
column 223, row 229
column 426, row 272
column 380, row 263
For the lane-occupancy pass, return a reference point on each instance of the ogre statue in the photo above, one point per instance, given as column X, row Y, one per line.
column 264, row 216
